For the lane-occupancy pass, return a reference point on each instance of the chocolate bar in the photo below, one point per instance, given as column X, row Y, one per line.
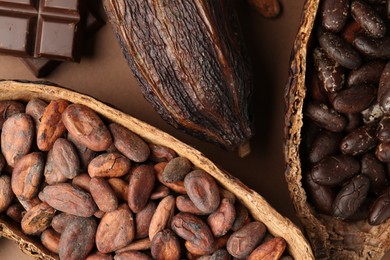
column 41, row 28
column 41, row 67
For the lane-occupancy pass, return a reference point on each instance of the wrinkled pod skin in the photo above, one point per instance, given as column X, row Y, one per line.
column 201, row 84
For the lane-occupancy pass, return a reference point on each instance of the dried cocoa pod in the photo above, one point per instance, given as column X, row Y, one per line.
column 213, row 52
column 194, row 230
column 35, row 108
column 202, row 190
column 109, row 165
column 51, row 240
column 6, row 194
column 9, row 108
column 270, row 250
column 115, row 230
column 166, row 245
column 86, row 127
column 176, row 169
column 103, row 195
column 51, row 126
column 37, row 219
column 141, row 184
column 242, row 242
column 27, row 175
column 143, row 219
column 132, row 255
column 162, row 216
column 177, row 186
column 17, row 136
column 222, row 220
column 65, row 158
column 129, row 144
column 334, row 14
column 160, row 153
column 78, row 239
column 69, row 199
column 16, row 212
column 52, row 175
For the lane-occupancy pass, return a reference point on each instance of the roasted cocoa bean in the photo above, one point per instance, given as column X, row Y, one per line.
column 132, row 255
column 120, row 187
column 162, row 216
column 221, row 221
column 359, row 141
column 202, row 190
column 351, row 197
column 322, row 197
column 372, row 113
column 339, row 50
column 35, row 108
column 103, row 195
column 194, row 230
column 141, row 185
column 86, row 127
column 242, row 242
column 51, row 173
column 185, row 204
column 272, row 249
column 225, row 194
column 375, row 171
column 69, row 199
column 354, row 99
column 325, row 117
column 166, row 245
column 116, row 230
column 176, row 169
column 27, row 175
column 384, row 89
column 51, row 126
column 17, row 136
column 367, row 74
column 177, row 186
column 351, row 31
column 82, row 181
column 315, row 88
column 368, row 19
column 380, row 210
column 372, row 47
column 330, row 74
column 334, row 14
column 109, row 165
column 51, row 239
column 78, row 239
column 129, row 144
column 383, row 132
column 333, row 170
column 9, row 108
column 354, row 121
column 37, row 219
column 382, row 152
column 6, row 194
column 65, row 158
column 16, row 212
column 160, row 153
column 326, row 143
column 143, row 219
column 160, row 192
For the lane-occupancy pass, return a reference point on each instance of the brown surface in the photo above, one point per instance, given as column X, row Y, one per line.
column 104, row 75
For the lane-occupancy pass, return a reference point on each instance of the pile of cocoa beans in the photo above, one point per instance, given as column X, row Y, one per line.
column 93, row 189
column 347, row 112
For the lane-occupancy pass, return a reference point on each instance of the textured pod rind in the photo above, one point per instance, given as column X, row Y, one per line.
column 200, row 81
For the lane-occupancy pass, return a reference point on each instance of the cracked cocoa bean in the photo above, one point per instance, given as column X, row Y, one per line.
column 37, row 219
column 109, row 165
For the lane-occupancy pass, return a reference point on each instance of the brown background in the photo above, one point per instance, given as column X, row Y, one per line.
column 104, row 74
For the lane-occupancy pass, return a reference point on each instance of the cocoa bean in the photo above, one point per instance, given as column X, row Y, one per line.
column 136, row 245
column 359, row 141
column 177, row 186
column 16, row 212
column 109, row 165
column 321, row 196
column 141, row 184
column 326, row 143
column 380, row 210
column 368, row 19
column 375, row 171
column 368, row 73
column 325, row 117
column 52, row 175
column 6, row 194
column 166, row 245
column 160, row 153
column 103, row 195
column 132, row 255
column 242, row 217
column 221, row 254
column 270, row 250
column 143, row 219
column 35, row 108
column 99, row 256
column 60, row 221
column 334, row 14
column 185, row 204
column 51, row 239
column 120, row 187
column 37, row 219
column 65, row 158
column 160, row 192
column 221, row 221
column 176, row 169
column 84, row 153
column 162, row 216
column 9, row 108
column 82, row 181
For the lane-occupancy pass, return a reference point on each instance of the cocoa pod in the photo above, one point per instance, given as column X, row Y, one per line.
column 37, row 219
column 242, row 242
column 27, row 175
column 115, row 230
column 141, row 184
column 194, row 230
column 51, row 126
column 166, row 245
column 162, row 216
column 78, row 239
column 51, row 239
column 86, row 127
column 202, row 190
column 103, row 195
column 35, row 108
column 65, row 158
column 69, row 199
column 6, row 194
column 16, row 137
column 129, row 144
column 109, row 165
column 222, row 115
column 9, row 108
